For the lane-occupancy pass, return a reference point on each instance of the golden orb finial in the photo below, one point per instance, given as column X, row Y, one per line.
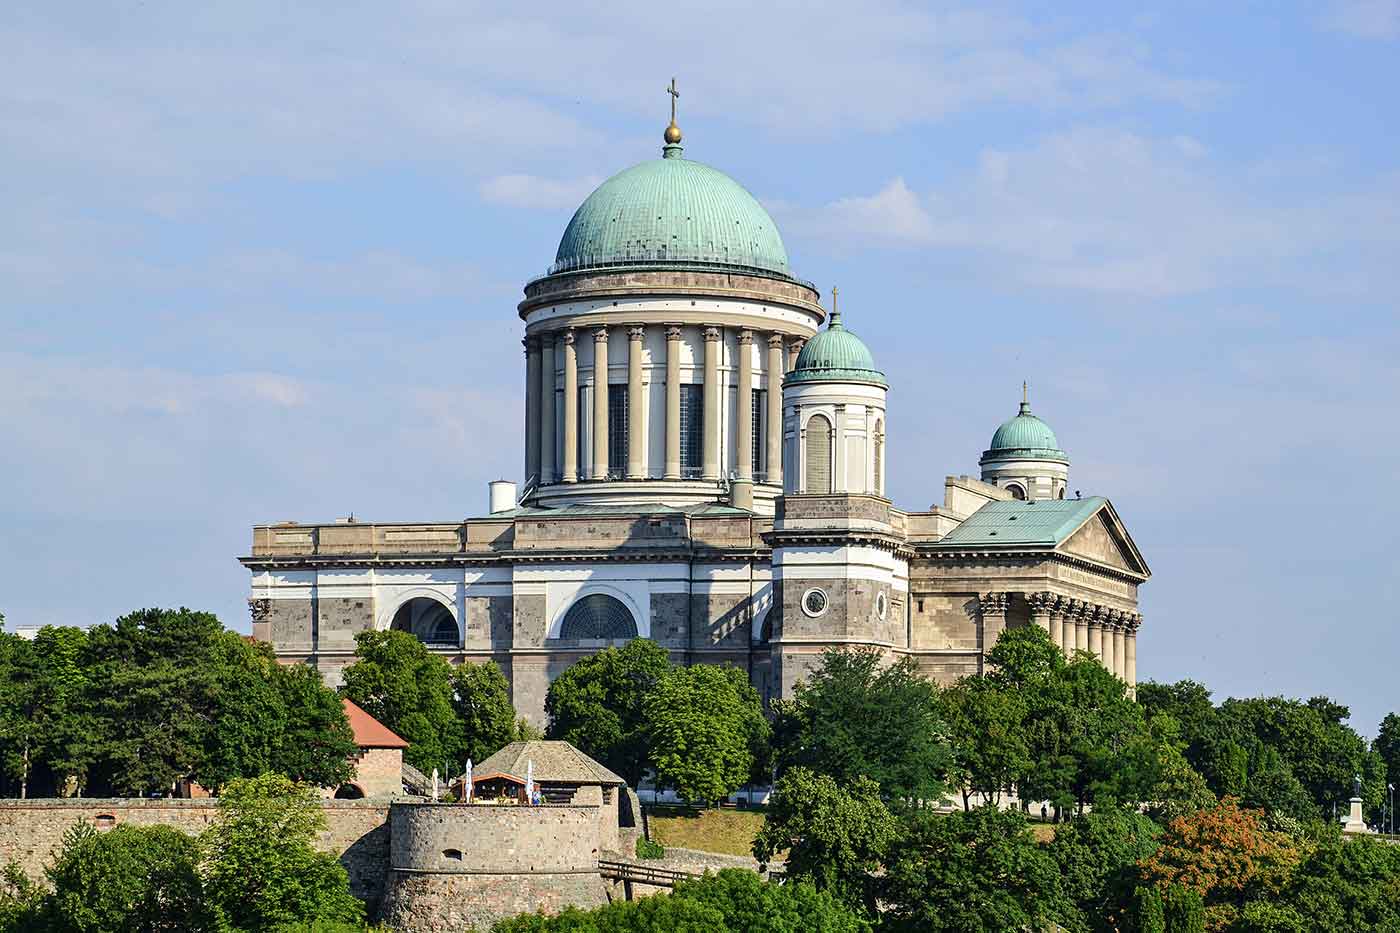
column 673, row 134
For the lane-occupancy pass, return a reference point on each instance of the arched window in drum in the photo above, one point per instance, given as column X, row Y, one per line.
column 818, row 455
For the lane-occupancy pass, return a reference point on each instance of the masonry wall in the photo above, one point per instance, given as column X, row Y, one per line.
column 31, row 831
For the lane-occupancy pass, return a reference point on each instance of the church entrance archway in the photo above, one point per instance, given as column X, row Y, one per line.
column 598, row 616
column 427, row 620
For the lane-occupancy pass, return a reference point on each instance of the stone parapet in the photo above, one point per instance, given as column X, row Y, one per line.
column 557, row 289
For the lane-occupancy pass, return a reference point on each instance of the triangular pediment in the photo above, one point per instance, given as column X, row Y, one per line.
column 1103, row 540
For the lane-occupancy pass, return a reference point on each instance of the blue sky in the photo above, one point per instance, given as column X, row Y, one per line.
column 261, row 261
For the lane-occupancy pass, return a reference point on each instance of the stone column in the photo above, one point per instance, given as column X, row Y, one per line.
column 1081, row 625
column 713, row 397
column 1120, row 647
column 1057, row 621
column 570, row 457
column 774, row 472
column 673, row 402
column 1110, row 625
column 600, row 404
column 547, row 461
column 1096, row 631
column 636, row 424
column 743, row 425
column 993, row 606
column 1040, row 604
column 1130, row 654
column 794, row 348
column 532, row 407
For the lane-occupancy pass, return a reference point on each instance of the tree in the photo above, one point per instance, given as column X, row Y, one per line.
column 1387, row 747
column 597, row 704
column 316, row 742
column 20, row 703
column 131, row 878
column 263, row 869
column 400, row 683
column 856, row 716
column 834, row 837
column 68, row 724
column 1097, row 855
column 1177, row 789
column 481, row 698
column 975, row 872
column 986, row 723
column 1351, row 884
column 701, row 725
column 730, row 901
column 1225, row 855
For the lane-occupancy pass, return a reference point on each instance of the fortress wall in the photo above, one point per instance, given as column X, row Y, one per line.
column 31, row 831
column 458, row 868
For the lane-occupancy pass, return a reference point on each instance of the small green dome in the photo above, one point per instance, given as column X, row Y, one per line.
column 1024, row 437
column 671, row 212
column 835, row 355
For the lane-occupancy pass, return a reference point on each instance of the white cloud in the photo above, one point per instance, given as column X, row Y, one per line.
column 536, row 193
column 1118, row 213
column 1366, row 19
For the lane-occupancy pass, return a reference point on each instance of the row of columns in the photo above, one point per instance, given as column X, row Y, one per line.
column 541, row 365
column 1073, row 625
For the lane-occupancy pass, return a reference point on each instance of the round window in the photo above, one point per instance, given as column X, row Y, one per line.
column 814, row 601
column 881, row 605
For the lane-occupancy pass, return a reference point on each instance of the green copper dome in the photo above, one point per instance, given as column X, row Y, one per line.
column 671, row 212
column 1024, row 437
column 835, row 355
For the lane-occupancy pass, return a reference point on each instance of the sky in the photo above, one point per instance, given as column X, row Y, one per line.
column 260, row 262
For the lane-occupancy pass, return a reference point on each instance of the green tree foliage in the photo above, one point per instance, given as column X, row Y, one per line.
column 316, row 742
column 1097, row 856
column 20, row 727
column 702, row 725
column 1149, row 913
column 597, row 704
column 131, row 878
column 731, row 901
column 263, row 869
column 1387, row 748
column 835, row 835
column 977, row 872
column 481, row 698
column 1184, row 910
column 400, row 683
column 1346, row 885
column 1177, row 789
column 21, row 900
column 856, row 716
column 986, row 723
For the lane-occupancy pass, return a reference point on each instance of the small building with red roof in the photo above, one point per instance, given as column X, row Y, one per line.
column 379, row 762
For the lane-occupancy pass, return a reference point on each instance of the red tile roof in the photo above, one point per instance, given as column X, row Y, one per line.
column 370, row 732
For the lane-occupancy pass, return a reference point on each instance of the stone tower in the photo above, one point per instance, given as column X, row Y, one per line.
column 840, row 568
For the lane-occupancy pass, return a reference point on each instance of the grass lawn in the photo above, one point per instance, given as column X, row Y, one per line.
column 728, row 831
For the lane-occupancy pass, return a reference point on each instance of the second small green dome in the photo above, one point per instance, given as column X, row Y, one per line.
column 671, row 212
column 1024, row 437
column 835, row 355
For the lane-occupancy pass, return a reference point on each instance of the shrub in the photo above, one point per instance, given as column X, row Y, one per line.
column 648, row 849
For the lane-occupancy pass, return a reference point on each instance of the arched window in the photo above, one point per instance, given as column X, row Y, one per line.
column 879, row 485
column 428, row 620
column 598, row 616
column 1016, row 491
column 818, row 455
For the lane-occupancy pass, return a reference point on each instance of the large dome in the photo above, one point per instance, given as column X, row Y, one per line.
column 671, row 212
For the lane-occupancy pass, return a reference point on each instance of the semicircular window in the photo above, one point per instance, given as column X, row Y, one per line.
column 427, row 619
column 598, row 616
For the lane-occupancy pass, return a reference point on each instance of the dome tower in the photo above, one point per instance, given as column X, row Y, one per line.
column 1025, row 459
column 657, row 341
column 834, row 406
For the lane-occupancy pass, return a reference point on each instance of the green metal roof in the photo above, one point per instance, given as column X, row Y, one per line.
column 1024, row 437
column 1042, row 523
column 668, row 212
column 835, row 355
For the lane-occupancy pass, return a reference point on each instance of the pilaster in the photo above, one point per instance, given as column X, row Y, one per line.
column 673, row 402
column 532, row 407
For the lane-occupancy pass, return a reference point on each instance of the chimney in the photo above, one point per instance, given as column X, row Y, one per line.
column 502, row 495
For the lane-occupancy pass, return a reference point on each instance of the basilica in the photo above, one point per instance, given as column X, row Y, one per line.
column 705, row 446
